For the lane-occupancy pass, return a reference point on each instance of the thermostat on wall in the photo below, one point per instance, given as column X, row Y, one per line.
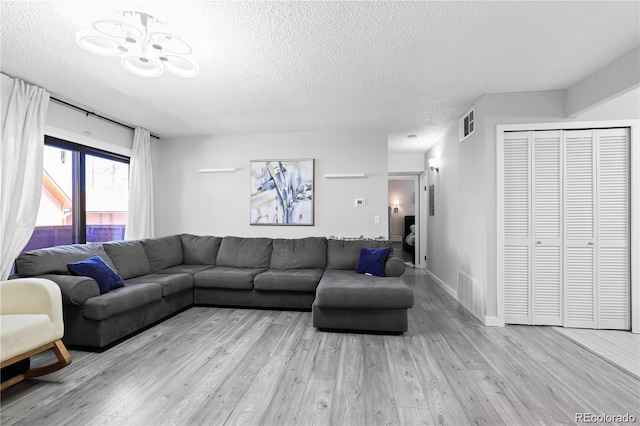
column 358, row 202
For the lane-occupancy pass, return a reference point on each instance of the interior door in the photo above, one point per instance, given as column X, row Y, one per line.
column 517, row 241
column 613, row 228
column 546, row 280
column 579, row 225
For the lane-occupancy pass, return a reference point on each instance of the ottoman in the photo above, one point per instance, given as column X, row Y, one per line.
column 346, row 300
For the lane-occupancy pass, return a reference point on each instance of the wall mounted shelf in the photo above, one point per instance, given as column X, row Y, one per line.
column 218, row 170
column 344, row 175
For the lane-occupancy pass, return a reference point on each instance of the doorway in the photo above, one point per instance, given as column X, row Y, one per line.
column 404, row 214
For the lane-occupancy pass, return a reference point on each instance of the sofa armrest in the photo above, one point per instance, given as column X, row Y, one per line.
column 32, row 296
column 394, row 267
column 75, row 289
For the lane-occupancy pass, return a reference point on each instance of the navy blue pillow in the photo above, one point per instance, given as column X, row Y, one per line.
column 94, row 267
column 372, row 260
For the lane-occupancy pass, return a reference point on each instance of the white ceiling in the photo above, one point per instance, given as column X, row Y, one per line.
column 400, row 67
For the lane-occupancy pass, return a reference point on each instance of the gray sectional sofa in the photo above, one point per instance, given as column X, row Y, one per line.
column 165, row 275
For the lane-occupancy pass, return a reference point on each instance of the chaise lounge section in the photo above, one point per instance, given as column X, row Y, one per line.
column 163, row 276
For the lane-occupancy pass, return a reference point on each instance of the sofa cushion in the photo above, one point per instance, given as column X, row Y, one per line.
column 54, row 260
column 184, row 269
column 227, row 277
column 372, row 260
column 129, row 257
column 288, row 280
column 238, row 252
column 163, row 252
column 94, row 267
column 121, row 300
column 170, row 283
column 349, row 290
column 198, row 250
column 302, row 253
column 344, row 254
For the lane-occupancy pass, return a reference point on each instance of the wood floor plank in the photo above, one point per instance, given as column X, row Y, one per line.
column 380, row 403
column 214, row 366
column 348, row 401
column 292, row 386
column 256, row 400
column 316, row 404
column 443, row 406
column 406, row 386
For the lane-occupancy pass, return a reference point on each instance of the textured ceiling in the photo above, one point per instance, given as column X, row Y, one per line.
column 399, row 67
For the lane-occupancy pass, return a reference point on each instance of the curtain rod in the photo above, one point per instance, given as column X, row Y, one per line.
column 77, row 107
column 88, row 113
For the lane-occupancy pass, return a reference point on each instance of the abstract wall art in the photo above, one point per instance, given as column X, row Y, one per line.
column 282, row 192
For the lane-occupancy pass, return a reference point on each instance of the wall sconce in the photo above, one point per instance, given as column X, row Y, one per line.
column 434, row 164
column 396, row 204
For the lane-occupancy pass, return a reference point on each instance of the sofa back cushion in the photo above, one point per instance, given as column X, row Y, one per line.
column 164, row 252
column 198, row 250
column 129, row 257
column 54, row 260
column 241, row 252
column 344, row 254
column 302, row 253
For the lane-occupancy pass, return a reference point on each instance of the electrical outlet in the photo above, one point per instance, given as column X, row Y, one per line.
column 376, row 219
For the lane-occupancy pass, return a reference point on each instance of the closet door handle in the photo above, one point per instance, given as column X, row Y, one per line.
column 590, row 243
column 538, row 242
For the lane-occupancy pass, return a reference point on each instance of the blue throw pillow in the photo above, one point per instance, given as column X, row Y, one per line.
column 372, row 261
column 94, row 267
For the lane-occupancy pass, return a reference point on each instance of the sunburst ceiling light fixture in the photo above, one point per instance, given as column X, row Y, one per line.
column 143, row 43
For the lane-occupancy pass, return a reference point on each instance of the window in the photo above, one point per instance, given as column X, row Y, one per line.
column 84, row 196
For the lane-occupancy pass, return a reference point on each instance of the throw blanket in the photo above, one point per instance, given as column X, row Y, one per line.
column 411, row 238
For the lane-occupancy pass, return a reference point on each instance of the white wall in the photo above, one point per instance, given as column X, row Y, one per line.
column 462, row 234
column 609, row 82
column 406, row 163
column 218, row 203
column 73, row 125
column 457, row 231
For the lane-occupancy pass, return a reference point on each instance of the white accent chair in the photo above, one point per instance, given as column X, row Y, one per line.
column 30, row 323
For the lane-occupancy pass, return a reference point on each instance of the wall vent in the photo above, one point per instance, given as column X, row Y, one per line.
column 471, row 294
column 467, row 125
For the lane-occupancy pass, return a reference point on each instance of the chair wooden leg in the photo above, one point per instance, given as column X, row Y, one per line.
column 64, row 359
column 59, row 350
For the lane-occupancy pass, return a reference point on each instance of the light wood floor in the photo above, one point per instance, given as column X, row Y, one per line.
column 622, row 348
column 233, row 366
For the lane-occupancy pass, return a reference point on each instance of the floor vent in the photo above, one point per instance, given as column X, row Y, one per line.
column 471, row 294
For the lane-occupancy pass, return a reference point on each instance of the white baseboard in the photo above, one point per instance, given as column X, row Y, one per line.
column 442, row 284
column 492, row 322
column 486, row 320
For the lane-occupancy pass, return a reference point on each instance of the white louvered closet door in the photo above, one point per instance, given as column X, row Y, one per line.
column 580, row 224
column 546, row 284
column 613, row 242
column 597, row 229
column 567, row 228
column 517, row 289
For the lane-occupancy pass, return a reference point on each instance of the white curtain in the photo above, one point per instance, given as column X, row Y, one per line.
column 21, row 154
column 140, row 211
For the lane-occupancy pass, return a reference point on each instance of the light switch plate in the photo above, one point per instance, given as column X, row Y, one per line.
column 358, row 202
